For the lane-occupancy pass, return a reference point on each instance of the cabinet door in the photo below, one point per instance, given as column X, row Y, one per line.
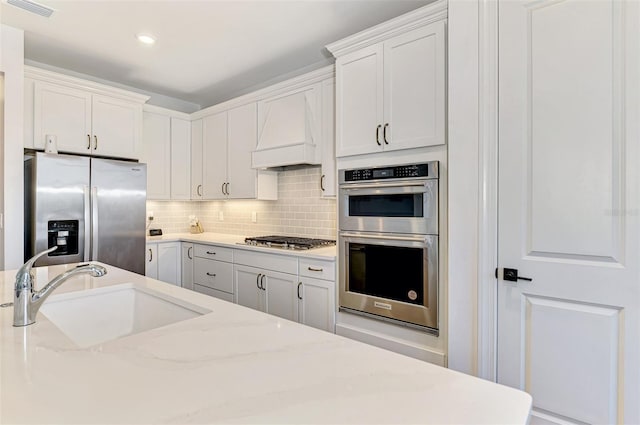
column 243, row 136
column 180, row 159
column 187, row 265
column 169, row 261
column 116, row 125
column 214, row 155
column 196, row 159
column 317, row 303
column 246, row 290
column 64, row 113
column 414, row 88
column 151, row 265
column 156, row 153
column 359, row 86
column 281, row 299
column 328, row 178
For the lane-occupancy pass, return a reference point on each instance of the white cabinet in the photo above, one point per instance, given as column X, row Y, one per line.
column 391, row 95
column 317, row 294
column 266, row 290
column 167, row 153
column 164, row 262
column 213, row 271
column 329, row 172
column 85, row 122
column 221, row 157
column 187, row 265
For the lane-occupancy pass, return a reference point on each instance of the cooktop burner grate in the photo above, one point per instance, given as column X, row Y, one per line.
column 288, row 242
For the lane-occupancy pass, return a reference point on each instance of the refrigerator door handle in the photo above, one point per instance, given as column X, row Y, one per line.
column 87, row 223
column 94, row 224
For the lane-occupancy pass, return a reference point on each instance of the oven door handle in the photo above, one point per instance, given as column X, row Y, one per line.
column 421, row 239
column 403, row 184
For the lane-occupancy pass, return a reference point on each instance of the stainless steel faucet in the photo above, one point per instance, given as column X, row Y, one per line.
column 26, row 302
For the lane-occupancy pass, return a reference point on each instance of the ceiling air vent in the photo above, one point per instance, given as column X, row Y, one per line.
column 32, row 7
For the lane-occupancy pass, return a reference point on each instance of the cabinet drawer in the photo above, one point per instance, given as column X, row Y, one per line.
column 213, row 293
column 318, row 269
column 213, row 274
column 261, row 260
column 214, row 252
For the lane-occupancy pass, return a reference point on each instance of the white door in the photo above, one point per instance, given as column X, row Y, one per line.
column 169, row 260
column 247, row 287
column 116, row 127
column 156, row 153
column 281, row 299
column 214, row 155
column 242, row 140
column 151, row 261
column 568, row 208
column 187, row 265
column 359, row 102
column 316, row 303
column 414, row 88
column 180, row 159
column 197, row 159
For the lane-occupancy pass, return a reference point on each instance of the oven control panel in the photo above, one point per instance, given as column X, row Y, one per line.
column 427, row 169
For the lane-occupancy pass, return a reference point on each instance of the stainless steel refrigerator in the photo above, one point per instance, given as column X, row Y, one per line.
column 90, row 208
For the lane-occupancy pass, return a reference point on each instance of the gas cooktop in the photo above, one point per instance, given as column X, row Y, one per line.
column 288, row 242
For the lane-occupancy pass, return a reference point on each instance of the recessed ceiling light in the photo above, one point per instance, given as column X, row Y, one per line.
column 146, row 38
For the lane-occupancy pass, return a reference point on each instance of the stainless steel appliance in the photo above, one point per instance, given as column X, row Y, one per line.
column 90, row 208
column 388, row 243
column 288, row 242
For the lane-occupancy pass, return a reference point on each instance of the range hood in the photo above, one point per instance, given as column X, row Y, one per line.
column 288, row 129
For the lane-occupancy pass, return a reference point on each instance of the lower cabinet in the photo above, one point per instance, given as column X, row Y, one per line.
column 164, row 262
column 187, row 265
column 316, row 303
column 268, row 291
column 213, row 276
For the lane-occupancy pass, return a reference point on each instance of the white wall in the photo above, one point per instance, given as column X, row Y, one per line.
column 12, row 65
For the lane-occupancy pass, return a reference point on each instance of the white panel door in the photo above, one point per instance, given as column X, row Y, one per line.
column 64, row 113
column 156, row 153
column 281, row 299
column 242, row 140
column 116, row 125
column 414, row 88
column 359, row 114
column 246, row 282
column 187, row 265
column 196, row 159
column 169, row 261
column 568, row 208
column 328, row 183
column 180, row 159
column 151, row 261
column 317, row 303
column 214, row 155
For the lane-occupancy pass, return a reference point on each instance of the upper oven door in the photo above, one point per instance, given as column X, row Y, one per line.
column 401, row 206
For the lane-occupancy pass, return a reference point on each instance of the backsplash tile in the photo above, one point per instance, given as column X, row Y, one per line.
column 299, row 210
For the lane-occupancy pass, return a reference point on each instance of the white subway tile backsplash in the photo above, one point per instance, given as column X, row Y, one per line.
column 299, row 211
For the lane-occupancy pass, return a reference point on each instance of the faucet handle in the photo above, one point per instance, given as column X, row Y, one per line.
column 23, row 277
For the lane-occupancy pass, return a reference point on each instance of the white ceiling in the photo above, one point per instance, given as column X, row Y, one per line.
column 207, row 51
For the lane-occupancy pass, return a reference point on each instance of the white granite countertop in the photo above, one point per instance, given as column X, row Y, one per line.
column 237, row 241
column 233, row 365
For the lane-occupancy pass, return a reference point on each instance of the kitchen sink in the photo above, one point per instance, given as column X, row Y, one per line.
column 99, row 315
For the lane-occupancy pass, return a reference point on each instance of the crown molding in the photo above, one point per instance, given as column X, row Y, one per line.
column 428, row 14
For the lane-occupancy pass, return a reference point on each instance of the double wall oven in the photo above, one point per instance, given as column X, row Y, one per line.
column 388, row 243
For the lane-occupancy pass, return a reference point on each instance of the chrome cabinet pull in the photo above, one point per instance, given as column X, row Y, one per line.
column 211, row 253
column 95, row 142
column 189, row 253
column 322, row 183
column 262, row 282
column 199, row 190
column 226, row 188
column 258, row 280
column 384, row 134
column 150, row 255
column 313, row 269
column 299, row 285
column 378, row 135
column 211, row 274
column 88, row 141
column 222, row 188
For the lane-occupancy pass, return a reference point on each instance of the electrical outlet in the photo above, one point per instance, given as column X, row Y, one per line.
column 150, row 215
column 220, row 216
column 254, row 217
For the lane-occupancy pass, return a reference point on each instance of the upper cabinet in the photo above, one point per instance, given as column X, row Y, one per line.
column 391, row 85
column 222, row 144
column 81, row 116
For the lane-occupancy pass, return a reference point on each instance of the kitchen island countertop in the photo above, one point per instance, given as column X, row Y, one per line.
column 237, row 242
column 232, row 365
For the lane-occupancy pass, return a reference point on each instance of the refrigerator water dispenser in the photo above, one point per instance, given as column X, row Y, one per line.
column 64, row 235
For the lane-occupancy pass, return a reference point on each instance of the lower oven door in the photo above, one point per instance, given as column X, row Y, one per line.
column 391, row 276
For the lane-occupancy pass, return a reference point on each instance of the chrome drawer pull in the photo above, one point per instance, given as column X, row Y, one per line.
column 313, row 269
